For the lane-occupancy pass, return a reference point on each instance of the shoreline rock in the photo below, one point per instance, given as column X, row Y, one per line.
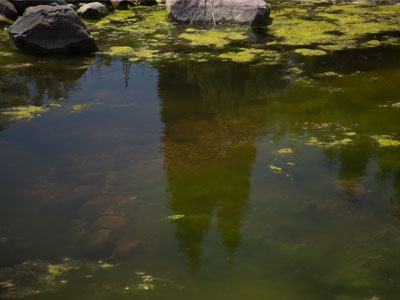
column 45, row 29
column 93, row 10
column 240, row 12
column 22, row 5
column 8, row 10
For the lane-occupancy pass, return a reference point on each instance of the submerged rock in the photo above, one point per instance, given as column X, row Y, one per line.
column 48, row 29
column 110, row 222
column 126, row 248
column 21, row 5
column 94, row 10
column 8, row 10
column 243, row 12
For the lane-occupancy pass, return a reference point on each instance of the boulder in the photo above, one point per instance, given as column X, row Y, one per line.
column 122, row 4
column 21, row 5
column 241, row 12
column 94, row 10
column 8, row 10
column 45, row 29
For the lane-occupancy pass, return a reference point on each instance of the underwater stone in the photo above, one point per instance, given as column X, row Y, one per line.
column 110, row 222
column 45, row 29
column 94, row 10
column 243, row 12
column 8, row 10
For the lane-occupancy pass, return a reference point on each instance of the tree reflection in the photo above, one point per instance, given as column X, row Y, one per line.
column 214, row 114
column 209, row 148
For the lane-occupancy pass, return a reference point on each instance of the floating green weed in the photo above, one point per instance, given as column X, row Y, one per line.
column 310, row 52
column 214, row 37
column 24, row 112
column 386, row 141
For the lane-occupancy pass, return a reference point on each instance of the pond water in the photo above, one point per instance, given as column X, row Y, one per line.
column 179, row 163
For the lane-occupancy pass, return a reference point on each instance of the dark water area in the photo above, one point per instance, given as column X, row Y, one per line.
column 200, row 178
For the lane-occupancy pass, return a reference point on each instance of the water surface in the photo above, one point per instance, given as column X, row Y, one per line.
column 198, row 177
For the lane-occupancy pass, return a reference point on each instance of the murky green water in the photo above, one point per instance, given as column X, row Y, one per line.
column 235, row 166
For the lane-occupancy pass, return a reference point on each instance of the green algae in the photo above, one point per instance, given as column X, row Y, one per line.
column 214, row 37
column 310, row 52
column 386, row 141
column 24, row 112
column 120, row 51
column 314, row 141
column 275, row 169
column 134, row 54
column 78, row 107
column 334, row 27
column 285, row 151
column 313, row 32
column 6, row 21
column 175, row 217
column 245, row 55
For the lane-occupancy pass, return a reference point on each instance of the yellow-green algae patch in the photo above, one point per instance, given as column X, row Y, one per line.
column 313, row 141
column 386, row 140
column 310, row 52
column 214, row 37
column 285, row 151
column 5, row 20
column 275, row 169
column 120, row 51
column 134, row 54
column 78, row 107
column 334, row 27
column 245, row 55
column 24, row 112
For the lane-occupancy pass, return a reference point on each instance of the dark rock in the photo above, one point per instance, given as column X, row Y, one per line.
column 8, row 10
column 94, row 10
column 147, row 2
column 21, row 5
column 45, row 29
column 242, row 12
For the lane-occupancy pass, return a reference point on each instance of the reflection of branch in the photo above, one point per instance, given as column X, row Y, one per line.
column 126, row 65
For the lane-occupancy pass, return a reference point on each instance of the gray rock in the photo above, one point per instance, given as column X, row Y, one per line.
column 122, row 4
column 48, row 29
column 21, row 5
column 94, row 10
column 243, row 12
column 8, row 10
